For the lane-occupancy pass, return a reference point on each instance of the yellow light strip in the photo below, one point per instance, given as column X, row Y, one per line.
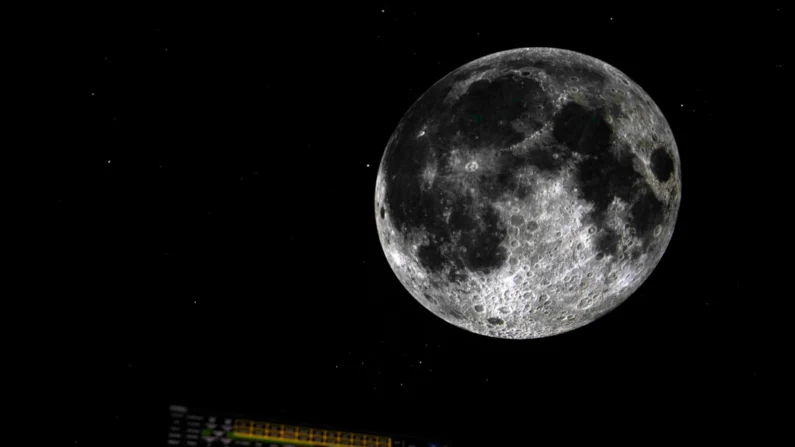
column 245, row 429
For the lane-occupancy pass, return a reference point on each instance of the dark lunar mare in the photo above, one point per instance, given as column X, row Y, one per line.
column 606, row 173
column 482, row 118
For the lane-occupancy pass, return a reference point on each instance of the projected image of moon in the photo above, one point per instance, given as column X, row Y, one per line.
column 528, row 193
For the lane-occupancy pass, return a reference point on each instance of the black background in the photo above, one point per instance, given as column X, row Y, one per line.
column 211, row 234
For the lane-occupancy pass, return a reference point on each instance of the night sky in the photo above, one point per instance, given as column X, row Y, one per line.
column 211, row 237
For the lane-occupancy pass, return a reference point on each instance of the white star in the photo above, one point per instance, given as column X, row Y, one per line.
column 108, row 161
column 368, row 165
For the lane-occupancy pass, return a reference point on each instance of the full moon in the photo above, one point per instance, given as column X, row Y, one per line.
column 528, row 193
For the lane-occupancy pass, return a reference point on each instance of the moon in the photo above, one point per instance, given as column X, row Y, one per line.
column 528, row 193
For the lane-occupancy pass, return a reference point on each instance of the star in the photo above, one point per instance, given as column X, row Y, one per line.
column 92, row 93
column 368, row 165
column 611, row 18
column 382, row 11
column 108, row 161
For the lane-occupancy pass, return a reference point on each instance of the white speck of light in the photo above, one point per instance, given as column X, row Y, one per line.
column 611, row 18
column 422, row 132
column 368, row 165
column 682, row 105
column 195, row 301
column 92, row 93
column 108, row 161
column 382, row 10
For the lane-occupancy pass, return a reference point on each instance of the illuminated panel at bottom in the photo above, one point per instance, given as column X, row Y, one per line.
column 291, row 434
column 197, row 427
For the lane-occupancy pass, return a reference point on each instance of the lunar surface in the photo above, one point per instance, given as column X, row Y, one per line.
column 528, row 193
